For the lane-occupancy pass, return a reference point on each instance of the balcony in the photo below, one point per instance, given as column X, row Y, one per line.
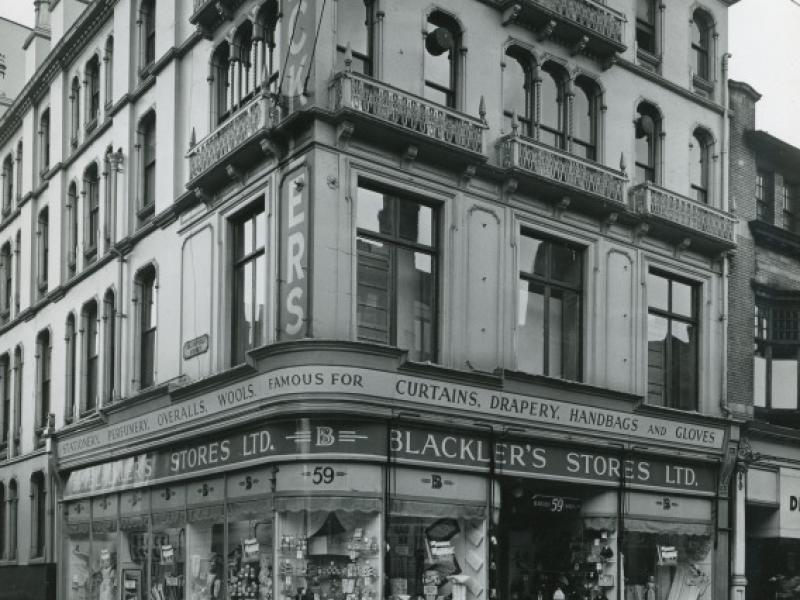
column 397, row 117
column 210, row 14
column 680, row 218
column 234, row 145
column 583, row 25
column 556, row 174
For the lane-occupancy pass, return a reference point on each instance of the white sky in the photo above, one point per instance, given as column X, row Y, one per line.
column 772, row 68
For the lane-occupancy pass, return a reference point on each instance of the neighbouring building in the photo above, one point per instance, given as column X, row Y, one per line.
column 764, row 341
column 368, row 300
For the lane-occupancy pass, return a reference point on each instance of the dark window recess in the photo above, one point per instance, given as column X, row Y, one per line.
column 249, row 282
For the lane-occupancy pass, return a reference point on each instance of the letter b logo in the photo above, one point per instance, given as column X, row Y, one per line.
column 325, row 436
column 436, row 482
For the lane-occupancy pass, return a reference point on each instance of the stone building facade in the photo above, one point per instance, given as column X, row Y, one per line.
column 370, row 300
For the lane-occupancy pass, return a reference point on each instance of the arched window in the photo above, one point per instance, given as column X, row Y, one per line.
column 19, row 158
column 109, row 346
column 42, row 250
column 90, row 356
column 75, row 110
column 147, row 165
column 17, row 268
column 44, row 141
column 701, row 43
column 147, row 35
column 38, row 515
column 552, row 106
column 243, row 83
column 19, row 365
column 6, row 281
column 648, row 133
column 146, row 325
column 108, row 59
column 92, row 91
column 442, row 45
column 43, row 387
column 584, row 118
column 91, row 195
column 699, row 155
column 13, row 499
column 109, row 215
column 354, row 26
column 71, row 342
column 8, row 183
column 517, row 91
column 71, row 228
column 267, row 37
column 5, row 408
column 220, row 68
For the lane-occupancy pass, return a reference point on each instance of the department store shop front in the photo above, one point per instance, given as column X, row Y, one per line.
column 357, row 509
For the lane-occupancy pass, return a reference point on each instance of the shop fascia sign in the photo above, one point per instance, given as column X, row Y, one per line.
column 367, row 441
column 394, row 388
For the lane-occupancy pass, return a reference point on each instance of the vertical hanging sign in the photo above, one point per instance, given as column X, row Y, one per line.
column 293, row 267
column 298, row 33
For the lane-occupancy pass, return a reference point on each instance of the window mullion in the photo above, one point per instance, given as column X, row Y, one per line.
column 546, row 331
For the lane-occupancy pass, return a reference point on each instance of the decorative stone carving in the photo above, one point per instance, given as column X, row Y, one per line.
column 588, row 15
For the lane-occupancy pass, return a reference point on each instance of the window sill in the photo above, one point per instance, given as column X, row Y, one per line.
column 649, row 60
column 90, row 253
column 73, row 141
column 146, row 70
column 701, row 84
column 146, row 211
column 91, row 124
column 5, row 211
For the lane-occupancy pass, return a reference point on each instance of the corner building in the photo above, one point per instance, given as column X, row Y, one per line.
column 365, row 301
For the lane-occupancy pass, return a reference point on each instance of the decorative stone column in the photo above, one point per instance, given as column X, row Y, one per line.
column 738, row 579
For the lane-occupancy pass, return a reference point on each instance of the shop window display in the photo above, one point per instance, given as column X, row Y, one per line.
column 78, row 542
column 204, row 555
column 328, row 548
column 556, row 542
column 104, row 548
column 133, row 547
column 667, row 566
column 250, row 551
column 168, row 543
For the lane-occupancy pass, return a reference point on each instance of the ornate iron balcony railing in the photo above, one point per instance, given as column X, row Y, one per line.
column 586, row 14
column 654, row 201
column 391, row 105
column 561, row 168
column 250, row 119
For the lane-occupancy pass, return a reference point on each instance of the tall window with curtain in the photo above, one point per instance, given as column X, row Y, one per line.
column 552, row 109
column 354, row 26
column 109, row 346
column 647, row 137
column 6, row 281
column 701, row 44
column 249, row 282
column 646, row 25
column 108, row 79
column 146, row 325
column 70, row 356
column 517, row 91
column 672, row 342
column 42, row 251
column 584, row 119
column 71, row 229
column 5, row 404
column 147, row 35
column 442, row 51
column 8, row 184
column 43, row 387
column 75, row 110
column 699, row 155
column 19, row 368
column 44, row 141
column 90, row 357
column 147, row 154
column 38, row 515
column 92, row 91
column 91, row 230
column 13, row 518
column 220, row 81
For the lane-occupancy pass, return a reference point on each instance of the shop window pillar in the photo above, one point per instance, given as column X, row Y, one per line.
column 738, row 583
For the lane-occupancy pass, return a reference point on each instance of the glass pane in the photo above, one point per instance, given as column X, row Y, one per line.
column 657, row 292
column 437, row 69
column 436, row 95
column 656, row 359
column 550, row 107
column 643, row 150
column 682, row 299
column 415, row 308
column 373, row 276
column 530, row 328
column 696, row 163
column 532, row 256
column 350, row 24
column 204, row 560
column 415, row 222
column 259, row 304
column 683, row 376
column 759, row 381
column 566, row 264
column 582, row 116
column 104, row 558
column 784, row 383
column 79, row 570
column 373, row 211
column 167, row 559
column 515, row 97
column 645, row 11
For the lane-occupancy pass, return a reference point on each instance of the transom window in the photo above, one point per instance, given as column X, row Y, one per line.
column 646, row 25
column 672, row 336
column 354, row 26
column 397, row 272
column 777, row 350
column 550, row 315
